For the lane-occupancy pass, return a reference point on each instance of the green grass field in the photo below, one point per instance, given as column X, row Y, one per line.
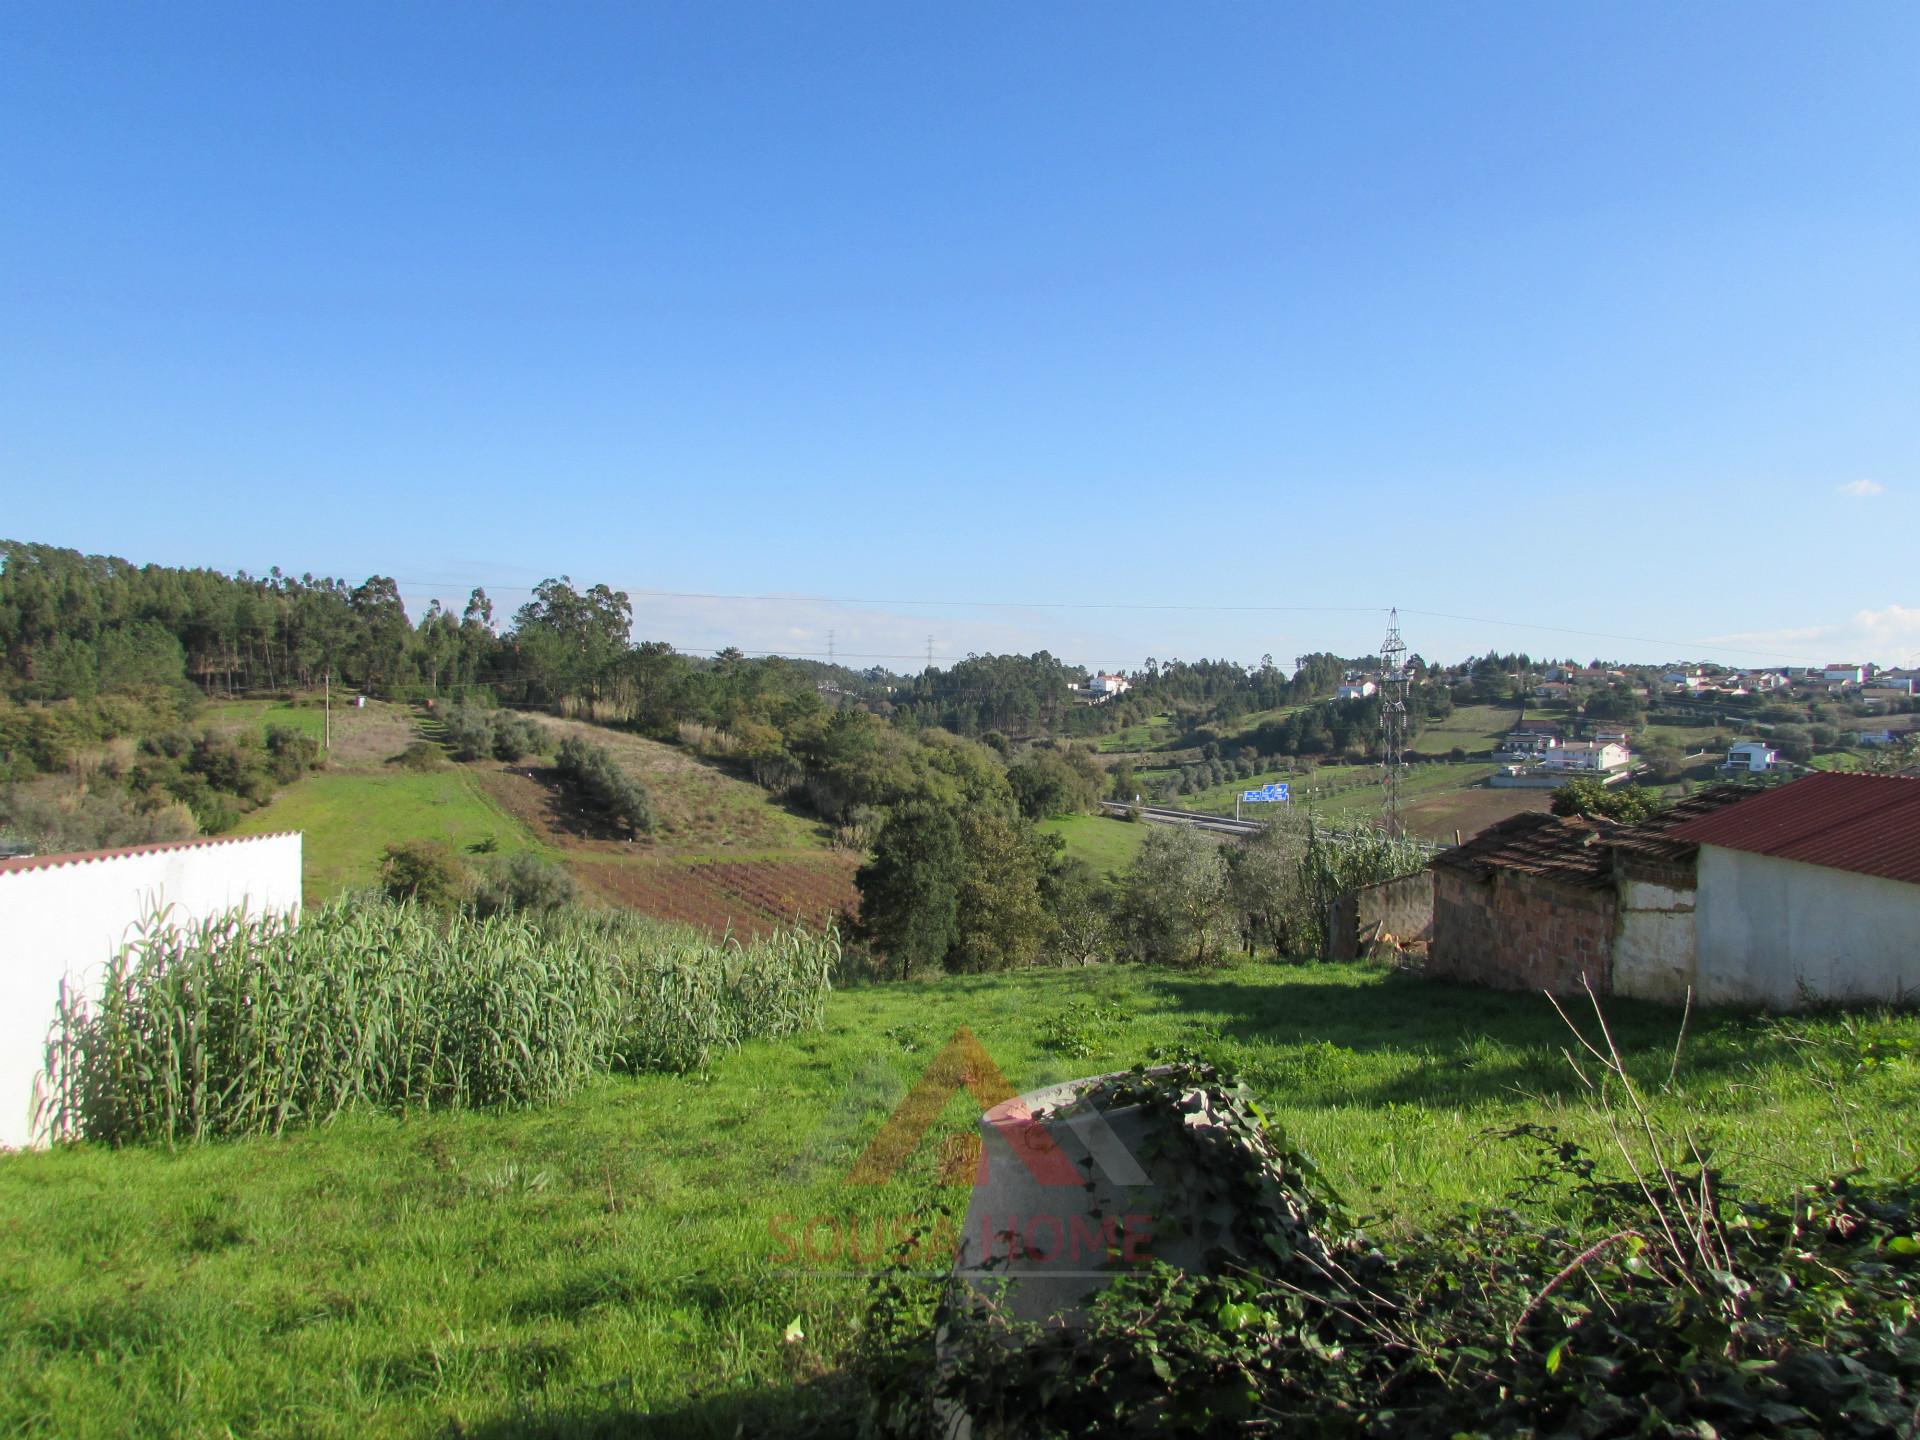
column 633, row 1261
column 258, row 715
column 1253, row 720
column 350, row 817
column 1473, row 728
column 1339, row 792
column 1148, row 734
column 1107, row 844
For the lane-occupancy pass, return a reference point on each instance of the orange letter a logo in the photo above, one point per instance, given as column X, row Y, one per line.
column 962, row 1064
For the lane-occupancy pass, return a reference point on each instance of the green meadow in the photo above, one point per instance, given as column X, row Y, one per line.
column 1104, row 842
column 685, row 1255
column 350, row 817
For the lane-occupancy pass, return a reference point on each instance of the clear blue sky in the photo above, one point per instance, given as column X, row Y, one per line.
column 1586, row 316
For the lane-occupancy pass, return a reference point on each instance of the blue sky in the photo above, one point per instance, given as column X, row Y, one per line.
column 1598, row 318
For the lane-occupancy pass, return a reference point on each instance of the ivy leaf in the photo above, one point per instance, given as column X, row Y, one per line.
column 1553, row 1355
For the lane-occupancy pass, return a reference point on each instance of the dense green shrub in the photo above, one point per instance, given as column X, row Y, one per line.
column 426, row 871
column 220, row 777
column 598, row 779
column 55, row 814
column 517, row 736
column 469, row 732
column 521, row 881
column 291, row 753
column 1588, row 795
column 421, row 755
column 477, row 734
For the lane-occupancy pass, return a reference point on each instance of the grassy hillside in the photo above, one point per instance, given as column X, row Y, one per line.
column 256, row 716
column 631, row 1262
column 1105, row 843
column 1473, row 728
column 724, row 855
column 350, row 817
column 1148, row 734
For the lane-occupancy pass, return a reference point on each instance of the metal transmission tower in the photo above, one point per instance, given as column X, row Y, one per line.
column 1393, row 716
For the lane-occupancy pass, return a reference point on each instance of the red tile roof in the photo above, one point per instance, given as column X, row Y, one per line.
column 87, row 857
column 1869, row 824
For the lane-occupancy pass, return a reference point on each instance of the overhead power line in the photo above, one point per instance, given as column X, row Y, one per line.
column 1679, row 647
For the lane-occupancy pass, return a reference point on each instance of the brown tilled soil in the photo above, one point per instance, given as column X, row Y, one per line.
column 1470, row 811
column 744, row 897
column 685, row 870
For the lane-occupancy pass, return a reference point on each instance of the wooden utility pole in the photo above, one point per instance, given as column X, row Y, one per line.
column 328, row 725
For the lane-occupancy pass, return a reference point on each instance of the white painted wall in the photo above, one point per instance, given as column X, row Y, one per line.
column 1766, row 929
column 65, row 920
column 1653, row 950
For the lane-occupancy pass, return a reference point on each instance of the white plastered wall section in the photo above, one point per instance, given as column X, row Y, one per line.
column 1781, row 932
column 65, row 920
column 1653, row 948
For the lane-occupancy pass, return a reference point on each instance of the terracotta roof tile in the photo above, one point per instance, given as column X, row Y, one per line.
column 1869, row 824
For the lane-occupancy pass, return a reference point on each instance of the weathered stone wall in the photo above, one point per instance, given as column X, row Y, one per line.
column 1520, row 932
column 1402, row 908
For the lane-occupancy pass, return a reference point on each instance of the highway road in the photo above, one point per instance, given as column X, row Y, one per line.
column 1167, row 815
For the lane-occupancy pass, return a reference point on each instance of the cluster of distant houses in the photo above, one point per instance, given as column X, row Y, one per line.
column 1863, row 682
column 1538, row 754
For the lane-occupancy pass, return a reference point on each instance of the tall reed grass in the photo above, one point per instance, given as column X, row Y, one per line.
column 249, row 1025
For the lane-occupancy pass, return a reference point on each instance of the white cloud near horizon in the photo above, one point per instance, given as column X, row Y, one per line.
column 1861, row 489
column 1888, row 636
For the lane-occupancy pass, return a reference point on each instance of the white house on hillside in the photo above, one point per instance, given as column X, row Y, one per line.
column 1104, row 687
column 1752, row 757
column 1359, row 690
column 1589, row 755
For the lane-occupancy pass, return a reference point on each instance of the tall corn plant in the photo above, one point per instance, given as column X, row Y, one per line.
column 687, row 996
column 247, row 1025
column 1334, row 866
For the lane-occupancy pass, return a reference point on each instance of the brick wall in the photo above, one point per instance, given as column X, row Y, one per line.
column 1520, row 932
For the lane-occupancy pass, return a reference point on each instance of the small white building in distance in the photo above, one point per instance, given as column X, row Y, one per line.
column 1357, row 690
column 1752, row 757
column 1592, row 756
column 1841, row 673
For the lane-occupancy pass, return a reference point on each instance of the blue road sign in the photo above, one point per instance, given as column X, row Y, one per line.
column 1267, row 794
